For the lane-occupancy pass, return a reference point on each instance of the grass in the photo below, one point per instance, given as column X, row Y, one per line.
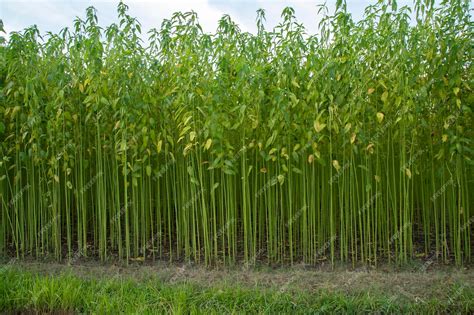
column 23, row 288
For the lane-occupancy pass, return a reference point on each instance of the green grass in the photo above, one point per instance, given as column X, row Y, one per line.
column 22, row 290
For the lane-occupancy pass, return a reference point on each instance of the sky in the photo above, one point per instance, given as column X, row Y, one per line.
column 53, row 15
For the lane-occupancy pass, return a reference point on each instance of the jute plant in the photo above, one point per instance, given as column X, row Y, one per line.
column 206, row 147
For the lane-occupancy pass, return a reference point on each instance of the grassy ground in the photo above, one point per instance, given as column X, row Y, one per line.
column 163, row 288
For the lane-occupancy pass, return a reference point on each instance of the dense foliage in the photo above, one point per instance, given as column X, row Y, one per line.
column 353, row 144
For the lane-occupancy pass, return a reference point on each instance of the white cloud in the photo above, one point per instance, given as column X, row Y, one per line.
column 53, row 15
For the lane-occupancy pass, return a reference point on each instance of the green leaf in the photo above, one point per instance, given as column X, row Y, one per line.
column 148, row 170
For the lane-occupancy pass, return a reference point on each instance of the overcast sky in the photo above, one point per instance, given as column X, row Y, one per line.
column 53, row 15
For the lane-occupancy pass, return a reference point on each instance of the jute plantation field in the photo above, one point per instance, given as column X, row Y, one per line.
column 345, row 149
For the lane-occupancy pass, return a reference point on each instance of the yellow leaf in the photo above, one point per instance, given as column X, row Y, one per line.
column 370, row 91
column 353, row 137
column 380, row 117
column 408, row 172
column 192, row 135
column 347, row 127
column 318, row 126
column 159, row 145
column 370, row 148
column 81, row 87
column 336, row 165
column 208, row 144
column 310, row 158
column 56, row 178
column 281, row 179
column 187, row 148
column 445, row 138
